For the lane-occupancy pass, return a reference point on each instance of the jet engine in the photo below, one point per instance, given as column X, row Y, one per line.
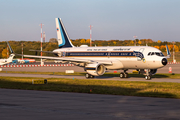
column 95, row 69
column 151, row 71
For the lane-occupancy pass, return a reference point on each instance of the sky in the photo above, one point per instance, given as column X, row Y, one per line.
column 111, row 19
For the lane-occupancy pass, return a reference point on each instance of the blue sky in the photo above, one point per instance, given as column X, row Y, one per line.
column 111, row 19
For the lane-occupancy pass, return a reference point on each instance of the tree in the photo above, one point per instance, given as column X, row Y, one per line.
column 4, row 53
column 163, row 48
column 158, row 41
column 114, row 42
column 88, row 41
column 157, row 47
column 83, row 41
column 176, row 48
column 132, row 42
column 53, row 40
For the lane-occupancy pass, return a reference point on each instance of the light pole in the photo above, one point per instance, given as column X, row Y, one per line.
column 41, row 42
column 90, row 35
column 22, row 50
column 173, row 53
column 135, row 40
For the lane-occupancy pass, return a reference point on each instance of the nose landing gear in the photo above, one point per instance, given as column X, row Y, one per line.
column 148, row 76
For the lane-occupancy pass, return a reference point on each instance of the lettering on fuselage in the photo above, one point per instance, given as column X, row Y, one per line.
column 105, row 54
column 121, row 49
column 96, row 49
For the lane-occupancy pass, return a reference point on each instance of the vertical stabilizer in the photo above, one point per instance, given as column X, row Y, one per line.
column 10, row 47
column 62, row 36
column 10, row 58
column 168, row 52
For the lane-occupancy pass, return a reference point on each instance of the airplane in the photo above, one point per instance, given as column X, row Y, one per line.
column 97, row 60
column 10, row 59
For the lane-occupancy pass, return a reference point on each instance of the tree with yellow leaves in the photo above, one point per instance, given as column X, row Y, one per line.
column 132, row 42
column 83, row 41
column 88, row 41
column 176, row 48
column 156, row 47
column 4, row 53
column 158, row 41
column 114, row 42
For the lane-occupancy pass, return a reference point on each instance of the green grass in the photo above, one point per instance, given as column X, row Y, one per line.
column 129, row 88
column 173, row 76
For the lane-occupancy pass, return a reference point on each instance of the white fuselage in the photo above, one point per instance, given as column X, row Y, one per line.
column 6, row 61
column 122, row 57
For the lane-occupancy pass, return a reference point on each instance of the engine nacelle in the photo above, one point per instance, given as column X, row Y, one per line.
column 151, row 71
column 95, row 69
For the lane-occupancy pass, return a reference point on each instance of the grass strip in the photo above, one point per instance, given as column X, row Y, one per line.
column 128, row 88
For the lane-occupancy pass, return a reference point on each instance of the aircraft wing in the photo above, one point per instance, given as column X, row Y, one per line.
column 68, row 59
column 43, row 51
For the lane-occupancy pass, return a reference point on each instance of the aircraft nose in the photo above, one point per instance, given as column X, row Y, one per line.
column 164, row 61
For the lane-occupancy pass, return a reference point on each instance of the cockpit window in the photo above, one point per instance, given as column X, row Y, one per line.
column 152, row 53
column 158, row 54
column 161, row 54
column 155, row 53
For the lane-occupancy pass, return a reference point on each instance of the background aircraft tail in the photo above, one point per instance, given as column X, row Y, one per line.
column 168, row 52
column 62, row 36
column 10, row 47
column 10, row 58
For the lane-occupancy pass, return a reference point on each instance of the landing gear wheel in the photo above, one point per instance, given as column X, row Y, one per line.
column 121, row 75
column 125, row 75
column 91, row 76
column 148, row 77
column 88, row 75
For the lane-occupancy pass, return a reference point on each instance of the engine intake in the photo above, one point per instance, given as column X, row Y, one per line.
column 95, row 69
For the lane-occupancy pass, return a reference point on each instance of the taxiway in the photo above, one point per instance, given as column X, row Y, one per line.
column 44, row 105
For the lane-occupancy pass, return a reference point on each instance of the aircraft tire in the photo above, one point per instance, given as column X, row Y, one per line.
column 148, row 77
column 88, row 75
column 91, row 76
column 121, row 75
column 125, row 75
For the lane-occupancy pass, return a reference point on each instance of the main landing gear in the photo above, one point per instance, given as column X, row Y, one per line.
column 89, row 76
column 123, row 74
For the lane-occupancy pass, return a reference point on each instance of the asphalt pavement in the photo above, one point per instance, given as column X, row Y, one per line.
column 45, row 105
column 175, row 68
